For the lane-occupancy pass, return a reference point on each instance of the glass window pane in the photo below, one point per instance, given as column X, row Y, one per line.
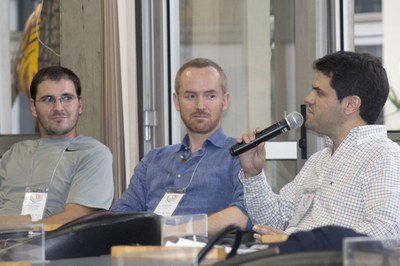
column 367, row 6
column 376, row 33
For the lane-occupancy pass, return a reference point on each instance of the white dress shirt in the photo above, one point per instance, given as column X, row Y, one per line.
column 358, row 186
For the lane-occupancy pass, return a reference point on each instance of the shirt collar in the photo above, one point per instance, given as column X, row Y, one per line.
column 363, row 133
column 217, row 139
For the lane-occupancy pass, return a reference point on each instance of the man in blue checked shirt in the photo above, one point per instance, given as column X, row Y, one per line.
column 199, row 175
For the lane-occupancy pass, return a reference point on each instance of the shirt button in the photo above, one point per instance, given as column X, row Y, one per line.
column 179, row 176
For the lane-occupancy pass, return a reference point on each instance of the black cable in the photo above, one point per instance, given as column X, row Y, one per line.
column 229, row 229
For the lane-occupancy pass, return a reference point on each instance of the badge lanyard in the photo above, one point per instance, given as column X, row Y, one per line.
column 173, row 196
column 35, row 198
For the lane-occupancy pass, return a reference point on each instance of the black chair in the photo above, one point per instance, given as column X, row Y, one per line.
column 95, row 234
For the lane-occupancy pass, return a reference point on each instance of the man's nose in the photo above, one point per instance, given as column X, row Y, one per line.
column 308, row 99
column 200, row 103
column 58, row 104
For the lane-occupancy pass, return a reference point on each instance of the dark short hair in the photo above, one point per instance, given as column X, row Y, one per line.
column 357, row 74
column 54, row 73
column 201, row 63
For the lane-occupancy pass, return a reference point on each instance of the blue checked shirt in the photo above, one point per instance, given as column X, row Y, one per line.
column 209, row 178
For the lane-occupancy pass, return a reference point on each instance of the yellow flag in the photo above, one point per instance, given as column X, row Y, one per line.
column 27, row 60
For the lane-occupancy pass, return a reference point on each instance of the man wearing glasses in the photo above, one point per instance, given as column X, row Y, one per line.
column 62, row 175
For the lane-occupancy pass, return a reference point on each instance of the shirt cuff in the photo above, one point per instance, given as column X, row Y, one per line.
column 253, row 186
column 248, row 180
column 249, row 225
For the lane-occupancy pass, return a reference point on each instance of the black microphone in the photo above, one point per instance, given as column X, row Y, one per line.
column 292, row 121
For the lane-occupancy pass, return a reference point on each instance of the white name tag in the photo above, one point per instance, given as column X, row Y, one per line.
column 168, row 203
column 34, row 203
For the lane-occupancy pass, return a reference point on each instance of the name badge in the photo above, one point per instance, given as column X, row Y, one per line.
column 33, row 204
column 169, row 203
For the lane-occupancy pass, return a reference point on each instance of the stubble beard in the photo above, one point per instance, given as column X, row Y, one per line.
column 57, row 129
column 203, row 127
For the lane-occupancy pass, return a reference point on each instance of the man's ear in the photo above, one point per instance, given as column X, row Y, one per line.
column 352, row 104
column 176, row 102
column 32, row 107
column 81, row 103
column 226, row 101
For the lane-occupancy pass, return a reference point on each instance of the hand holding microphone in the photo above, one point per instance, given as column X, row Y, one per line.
column 292, row 121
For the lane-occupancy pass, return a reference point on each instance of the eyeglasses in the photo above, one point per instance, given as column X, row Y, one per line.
column 65, row 99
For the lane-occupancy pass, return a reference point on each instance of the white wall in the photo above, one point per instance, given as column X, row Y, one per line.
column 5, row 72
column 391, row 57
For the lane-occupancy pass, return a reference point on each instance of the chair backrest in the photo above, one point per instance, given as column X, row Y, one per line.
column 6, row 141
column 94, row 235
column 394, row 135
